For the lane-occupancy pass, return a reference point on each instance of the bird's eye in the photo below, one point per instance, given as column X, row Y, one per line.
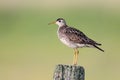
column 59, row 20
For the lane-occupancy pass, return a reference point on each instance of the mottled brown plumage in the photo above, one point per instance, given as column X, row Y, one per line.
column 74, row 38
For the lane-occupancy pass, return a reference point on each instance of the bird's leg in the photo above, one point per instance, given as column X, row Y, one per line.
column 76, row 56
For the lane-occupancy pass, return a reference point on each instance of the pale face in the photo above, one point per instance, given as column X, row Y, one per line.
column 60, row 22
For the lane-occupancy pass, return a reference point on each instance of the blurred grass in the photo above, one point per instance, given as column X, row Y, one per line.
column 30, row 49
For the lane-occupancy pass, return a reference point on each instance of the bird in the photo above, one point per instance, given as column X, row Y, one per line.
column 74, row 38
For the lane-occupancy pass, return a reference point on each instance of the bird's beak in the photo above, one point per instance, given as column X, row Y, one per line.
column 52, row 23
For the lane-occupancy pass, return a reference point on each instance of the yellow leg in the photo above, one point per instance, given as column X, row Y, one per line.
column 77, row 52
column 74, row 57
column 75, row 60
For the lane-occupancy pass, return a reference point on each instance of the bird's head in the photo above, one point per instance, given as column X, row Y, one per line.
column 60, row 22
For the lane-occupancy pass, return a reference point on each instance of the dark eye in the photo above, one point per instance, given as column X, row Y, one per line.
column 59, row 20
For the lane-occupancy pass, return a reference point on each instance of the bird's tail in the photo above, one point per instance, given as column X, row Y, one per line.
column 98, row 47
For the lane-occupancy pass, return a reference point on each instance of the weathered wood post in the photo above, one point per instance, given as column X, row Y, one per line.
column 68, row 72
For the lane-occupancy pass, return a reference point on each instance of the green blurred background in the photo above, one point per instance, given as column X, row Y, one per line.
column 30, row 49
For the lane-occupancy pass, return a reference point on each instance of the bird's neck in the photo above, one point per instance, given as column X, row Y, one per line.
column 62, row 26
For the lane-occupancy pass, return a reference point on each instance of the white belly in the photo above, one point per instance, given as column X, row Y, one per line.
column 63, row 38
column 71, row 44
column 65, row 42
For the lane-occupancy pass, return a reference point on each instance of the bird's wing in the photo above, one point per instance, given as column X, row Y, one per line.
column 77, row 36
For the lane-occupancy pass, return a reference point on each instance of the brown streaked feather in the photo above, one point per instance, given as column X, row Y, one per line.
column 77, row 36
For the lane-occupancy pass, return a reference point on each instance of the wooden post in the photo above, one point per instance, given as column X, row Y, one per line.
column 69, row 72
